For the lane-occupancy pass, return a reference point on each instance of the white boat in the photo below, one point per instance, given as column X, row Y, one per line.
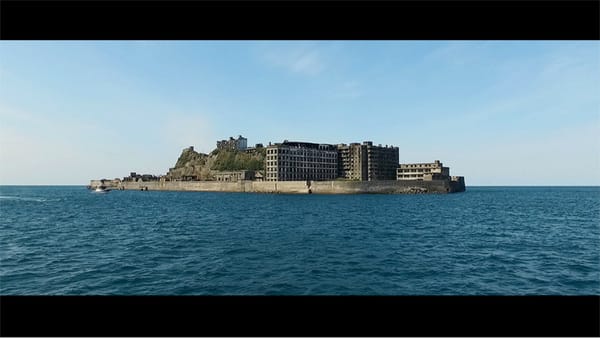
column 101, row 189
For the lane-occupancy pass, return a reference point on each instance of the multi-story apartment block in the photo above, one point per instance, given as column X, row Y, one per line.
column 353, row 162
column 422, row 171
column 382, row 162
column 301, row 161
column 366, row 162
column 241, row 143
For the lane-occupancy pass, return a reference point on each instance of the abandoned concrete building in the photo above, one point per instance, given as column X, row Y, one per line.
column 382, row 162
column 305, row 161
column 301, row 161
column 423, row 171
column 234, row 176
column 352, row 162
column 253, row 150
column 135, row 177
column 240, row 143
column 366, row 162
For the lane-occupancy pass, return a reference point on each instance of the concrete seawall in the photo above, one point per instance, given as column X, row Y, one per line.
column 295, row 187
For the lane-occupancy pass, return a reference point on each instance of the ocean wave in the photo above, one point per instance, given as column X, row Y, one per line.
column 133, row 243
column 28, row 199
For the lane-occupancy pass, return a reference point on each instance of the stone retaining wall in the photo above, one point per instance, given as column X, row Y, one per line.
column 299, row 187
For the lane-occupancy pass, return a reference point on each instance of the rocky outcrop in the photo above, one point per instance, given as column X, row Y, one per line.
column 189, row 157
column 192, row 165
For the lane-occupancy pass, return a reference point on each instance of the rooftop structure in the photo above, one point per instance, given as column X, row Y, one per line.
column 240, row 143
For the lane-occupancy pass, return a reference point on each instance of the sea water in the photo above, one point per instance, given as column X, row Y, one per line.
column 66, row 240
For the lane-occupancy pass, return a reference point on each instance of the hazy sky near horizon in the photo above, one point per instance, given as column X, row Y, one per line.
column 496, row 112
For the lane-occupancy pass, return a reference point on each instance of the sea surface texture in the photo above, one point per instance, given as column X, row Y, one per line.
column 485, row 241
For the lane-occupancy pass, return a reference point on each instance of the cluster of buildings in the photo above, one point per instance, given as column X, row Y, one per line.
column 135, row 177
column 299, row 161
column 240, row 143
column 305, row 161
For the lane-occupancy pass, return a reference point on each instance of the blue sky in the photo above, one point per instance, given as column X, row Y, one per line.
column 497, row 112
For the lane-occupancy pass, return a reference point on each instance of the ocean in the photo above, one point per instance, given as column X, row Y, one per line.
column 66, row 240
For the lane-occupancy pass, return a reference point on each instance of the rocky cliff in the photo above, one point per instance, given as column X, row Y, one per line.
column 202, row 166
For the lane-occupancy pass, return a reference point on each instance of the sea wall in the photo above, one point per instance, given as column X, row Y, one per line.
column 380, row 187
column 297, row 187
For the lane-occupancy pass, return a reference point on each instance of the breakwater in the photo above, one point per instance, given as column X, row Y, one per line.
column 295, row 187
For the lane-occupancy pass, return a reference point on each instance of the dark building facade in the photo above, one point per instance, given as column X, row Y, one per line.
column 367, row 162
column 382, row 162
column 353, row 162
column 301, row 161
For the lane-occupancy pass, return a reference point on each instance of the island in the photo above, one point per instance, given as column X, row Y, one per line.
column 295, row 168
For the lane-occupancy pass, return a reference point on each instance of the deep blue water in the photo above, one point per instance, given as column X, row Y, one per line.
column 488, row 240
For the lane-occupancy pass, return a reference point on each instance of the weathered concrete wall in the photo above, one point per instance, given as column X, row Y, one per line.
column 299, row 187
column 457, row 184
column 185, row 186
column 380, row 187
column 111, row 184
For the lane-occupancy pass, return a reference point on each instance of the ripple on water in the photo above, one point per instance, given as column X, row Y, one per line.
column 64, row 240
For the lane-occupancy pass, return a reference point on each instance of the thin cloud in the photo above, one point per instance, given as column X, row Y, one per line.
column 301, row 60
column 308, row 63
column 458, row 53
column 544, row 89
